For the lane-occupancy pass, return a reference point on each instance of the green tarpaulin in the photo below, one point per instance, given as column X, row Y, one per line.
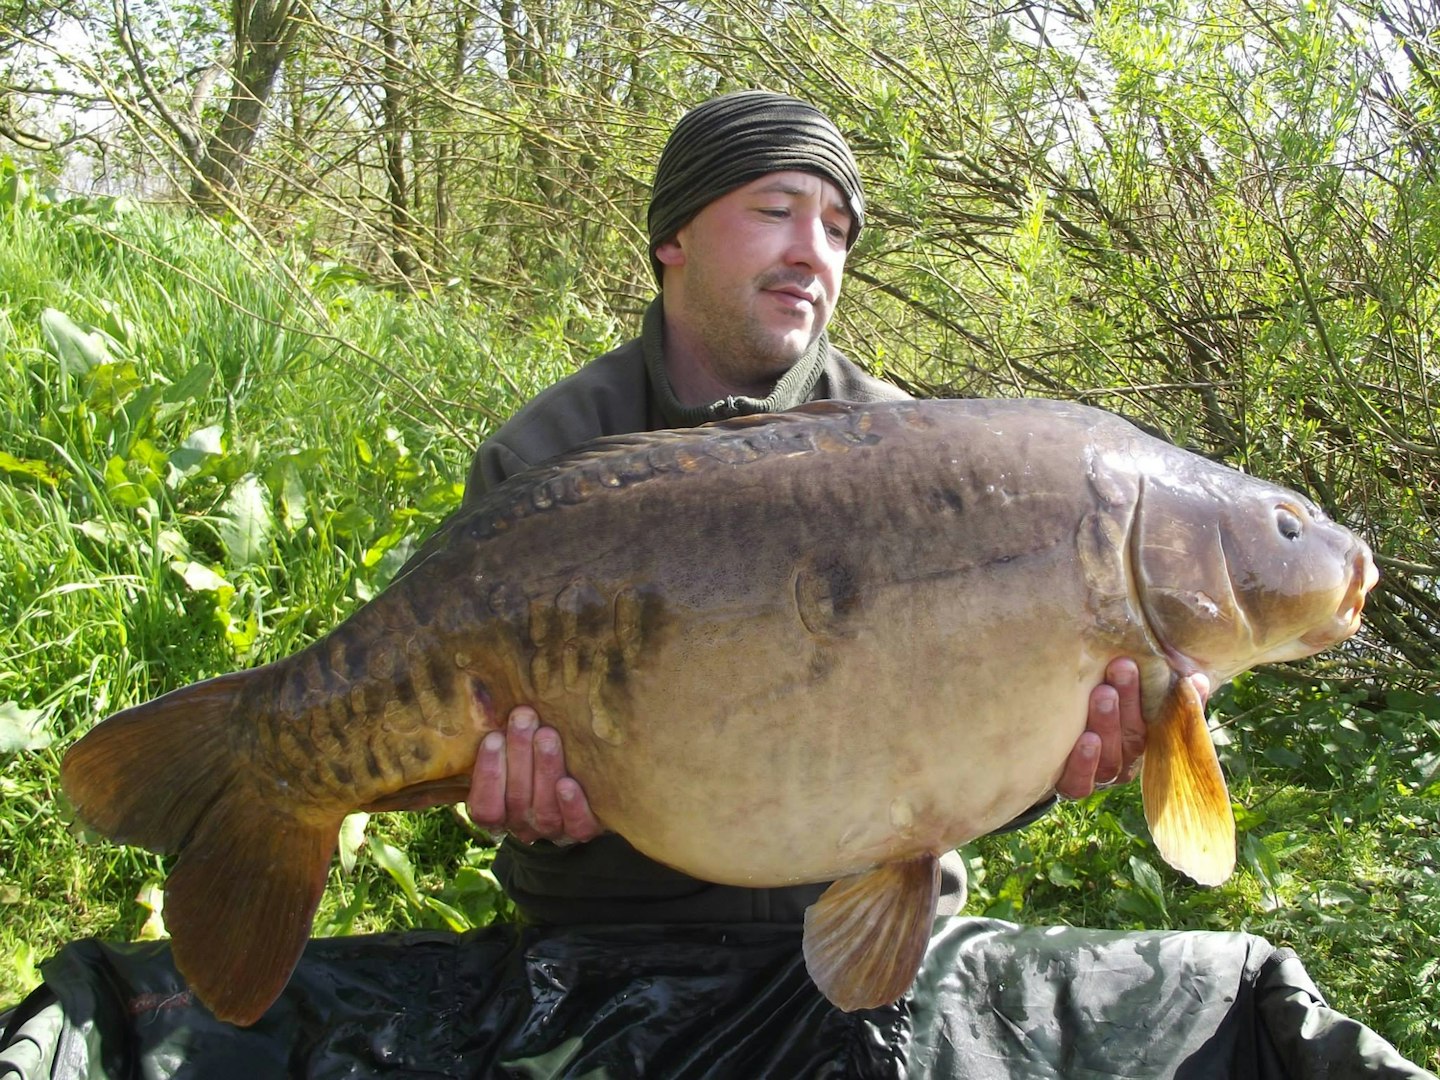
column 993, row 1000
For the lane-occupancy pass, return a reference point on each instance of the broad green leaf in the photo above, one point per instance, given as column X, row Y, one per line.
column 152, row 899
column 352, row 838
column 24, row 959
column 1260, row 859
column 21, row 729
column 293, row 498
column 351, row 519
column 139, row 412
column 199, row 449
column 329, row 274
column 104, row 531
column 29, row 469
column 15, row 189
column 1409, row 701
column 442, row 497
column 454, row 918
column 241, row 631
column 245, row 523
column 376, row 551
column 172, row 544
column 1061, row 874
column 395, row 863
column 192, row 386
column 77, row 350
column 1283, row 756
column 121, row 486
column 395, row 558
column 1147, row 880
column 198, row 577
column 137, row 478
column 117, row 325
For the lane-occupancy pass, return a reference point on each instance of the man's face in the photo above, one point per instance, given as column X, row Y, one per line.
column 755, row 275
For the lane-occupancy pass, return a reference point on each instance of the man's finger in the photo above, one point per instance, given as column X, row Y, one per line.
column 486, row 801
column 1124, row 676
column 520, row 770
column 580, row 823
column 1078, row 779
column 549, row 768
column 1104, row 722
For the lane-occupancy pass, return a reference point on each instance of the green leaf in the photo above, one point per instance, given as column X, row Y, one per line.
column 193, row 385
column 199, row 449
column 1284, row 757
column 121, row 486
column 293, row 497
column 352, row 838
column 77, row 350
column 1260, row 859
column 454, row 919
column 245, row 523
column 29, row 469
column 151, row 898
column 1061, row 874
column 115, row 324
column 395, row 863
column 139, row 411
column 351, row 519
column 21, row 729
column 1410, row 702
column 376, row 551
column 104, row 531
column 1147, row 881
column 15, row 190
column 198, row 577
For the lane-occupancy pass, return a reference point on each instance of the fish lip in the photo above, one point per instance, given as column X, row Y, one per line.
column 1363, row 578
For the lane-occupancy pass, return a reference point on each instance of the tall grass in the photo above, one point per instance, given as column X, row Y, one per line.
column 214, row 451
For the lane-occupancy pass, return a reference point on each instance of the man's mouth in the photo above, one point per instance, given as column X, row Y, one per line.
column 794, row 295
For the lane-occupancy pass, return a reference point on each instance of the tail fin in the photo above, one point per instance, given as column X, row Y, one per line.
column 169, row 775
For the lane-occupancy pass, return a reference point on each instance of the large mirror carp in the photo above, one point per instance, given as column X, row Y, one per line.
column 825, row 645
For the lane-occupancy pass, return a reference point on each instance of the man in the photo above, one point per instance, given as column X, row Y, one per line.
column 756, row 203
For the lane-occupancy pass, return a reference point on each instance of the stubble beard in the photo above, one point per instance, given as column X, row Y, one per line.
column 758, row 353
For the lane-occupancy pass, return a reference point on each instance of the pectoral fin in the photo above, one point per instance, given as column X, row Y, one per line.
column 1186, row 802
column 865, row 937
column 423, row 795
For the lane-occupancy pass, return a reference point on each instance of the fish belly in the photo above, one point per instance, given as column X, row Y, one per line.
column 783, row 755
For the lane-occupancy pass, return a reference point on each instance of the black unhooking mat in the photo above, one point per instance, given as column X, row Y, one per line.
column 993, row 1000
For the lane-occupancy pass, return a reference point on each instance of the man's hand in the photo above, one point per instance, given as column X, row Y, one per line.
column 1109, row 750
column 520, row 785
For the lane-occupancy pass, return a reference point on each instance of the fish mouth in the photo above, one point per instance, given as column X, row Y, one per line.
column 1363, row 576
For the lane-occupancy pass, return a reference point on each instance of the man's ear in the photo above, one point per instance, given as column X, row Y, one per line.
column 670, row 253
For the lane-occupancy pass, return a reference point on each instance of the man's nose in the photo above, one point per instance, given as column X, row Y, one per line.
column 807, row 241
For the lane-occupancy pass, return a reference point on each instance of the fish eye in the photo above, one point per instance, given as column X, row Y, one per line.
column 1288, row 522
